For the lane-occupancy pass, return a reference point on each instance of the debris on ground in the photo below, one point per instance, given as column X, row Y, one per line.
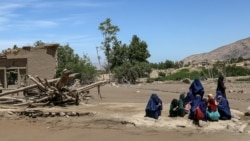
column 50, row 92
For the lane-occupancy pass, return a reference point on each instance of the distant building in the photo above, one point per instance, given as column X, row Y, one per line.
column 41, row 61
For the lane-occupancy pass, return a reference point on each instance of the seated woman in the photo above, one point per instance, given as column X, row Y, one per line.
column 187, row 102
column 198, row 110
column 177, row 107
column 212, row 111
column 154, row 107
column 223, row 106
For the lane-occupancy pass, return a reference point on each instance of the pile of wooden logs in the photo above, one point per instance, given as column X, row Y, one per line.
column 50, row 92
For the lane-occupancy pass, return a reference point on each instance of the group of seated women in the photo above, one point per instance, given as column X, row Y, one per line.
column 200, row 108
column 194, row 104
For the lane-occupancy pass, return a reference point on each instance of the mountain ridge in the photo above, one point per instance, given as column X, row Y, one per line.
column 240, row 48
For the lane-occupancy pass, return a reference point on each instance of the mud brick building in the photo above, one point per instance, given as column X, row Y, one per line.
column 41, row 61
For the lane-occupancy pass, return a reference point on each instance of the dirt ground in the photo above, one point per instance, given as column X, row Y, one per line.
column 120, row 116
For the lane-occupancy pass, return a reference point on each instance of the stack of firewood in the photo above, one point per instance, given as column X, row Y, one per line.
column 50, row 92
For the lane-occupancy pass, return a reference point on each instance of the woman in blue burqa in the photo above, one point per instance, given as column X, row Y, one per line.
column 197, row 88
column 195, row 97
column 154, row 107
column 223, row 106
column 198, row 102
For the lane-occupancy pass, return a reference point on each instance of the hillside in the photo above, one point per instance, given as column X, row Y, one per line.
column 237, row 49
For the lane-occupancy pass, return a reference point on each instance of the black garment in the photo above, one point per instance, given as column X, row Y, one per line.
column 221, row 87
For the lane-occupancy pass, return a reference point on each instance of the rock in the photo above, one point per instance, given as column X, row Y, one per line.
column 84, row 114
column 242, row 128
column 235, row 120
column 46, row 114
column 235, row 116
column 240, row 123
column 53, row 114
column 247, row 113
column 93, row 113
column 62, row 114
column 231, row 126
column 248, row 108
column 72, row 114
column 39, row 114
column 186, row 80
column 34, row 115
column 10, row 113
column 113, row 84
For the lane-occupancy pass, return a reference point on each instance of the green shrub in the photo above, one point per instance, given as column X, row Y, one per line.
column 162, row 74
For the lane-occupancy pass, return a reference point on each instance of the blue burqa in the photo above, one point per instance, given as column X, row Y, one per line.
column 203, row 108
column 223, row 106
column 198, row 102
column 196, row 88
column 154, row 107
column 189, row 98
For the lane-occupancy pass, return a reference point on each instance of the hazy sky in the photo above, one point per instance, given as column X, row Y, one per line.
column 173, row 29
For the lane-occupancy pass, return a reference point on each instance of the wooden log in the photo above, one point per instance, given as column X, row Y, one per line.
column 39, row 79
column 11, row 98
column 64, row 79
column 30, row 102
column 93, row 85
column 18, row 90
column 38, row 83
column 32, row 105
column 47, row 83
column 7, row 102
column 33, row 86
column 99, row 91
column 72, row 75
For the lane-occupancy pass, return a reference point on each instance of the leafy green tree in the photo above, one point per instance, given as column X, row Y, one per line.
column 129, row 62
column 167, row 64
column 82, row 65
column 237, row 71
column 65, row 55
column 15, row 47
column 138, row 50
column 39, row 43
column 109, row 32
column 119, row 54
